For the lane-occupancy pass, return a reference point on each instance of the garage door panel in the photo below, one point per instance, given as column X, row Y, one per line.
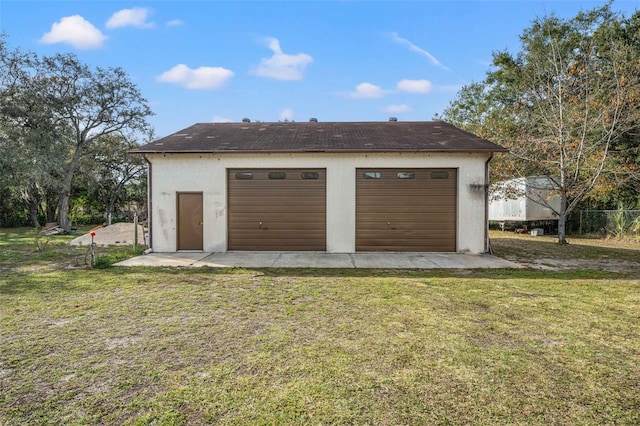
column 298, row 230
column 398, row 234
column 277, row 244
column 288, row 211
column 276, row 214
column 246, row 228
column 270, row 237
column 249, row 188
column 432, row 246
column 422, row 209
column 426, row 187
column 410, row 232
column 278, row 201
column 416, row 226
column 404, row 192
column 384, row 240
column 419, row 208
column 406, row 183
column 310, row 219
column 414, row 214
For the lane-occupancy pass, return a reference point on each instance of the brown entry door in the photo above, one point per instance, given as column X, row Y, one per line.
column 189, row 220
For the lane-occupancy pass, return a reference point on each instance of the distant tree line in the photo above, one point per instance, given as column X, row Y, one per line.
column 567, row 106
column 65, row 130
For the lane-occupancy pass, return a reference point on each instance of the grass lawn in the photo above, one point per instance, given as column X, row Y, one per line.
column 302, row 346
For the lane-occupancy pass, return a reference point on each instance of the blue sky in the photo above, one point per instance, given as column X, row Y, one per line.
column 203, row 61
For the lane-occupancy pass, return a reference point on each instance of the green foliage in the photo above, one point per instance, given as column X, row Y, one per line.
column 41, row 241
column 55, row 112
column 111, row 176
column 12, row 209
column 566, row 105
column 624, row 224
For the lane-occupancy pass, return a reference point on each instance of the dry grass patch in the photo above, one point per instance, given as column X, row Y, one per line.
column 582, row 253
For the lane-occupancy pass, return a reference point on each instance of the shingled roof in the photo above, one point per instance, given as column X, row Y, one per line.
column 416, row 136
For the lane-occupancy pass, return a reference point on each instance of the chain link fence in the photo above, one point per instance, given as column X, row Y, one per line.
column 609, row 223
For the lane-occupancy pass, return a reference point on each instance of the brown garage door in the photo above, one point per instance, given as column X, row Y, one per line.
column 406, row 210
column 277, row 209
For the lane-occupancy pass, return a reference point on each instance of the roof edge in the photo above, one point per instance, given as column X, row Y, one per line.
column 327, row 151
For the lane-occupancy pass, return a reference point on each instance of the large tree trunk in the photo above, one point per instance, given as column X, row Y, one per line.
column 51, row 206
column 109, row 213
column 33, row 212
column 51, row 211
column 63, row 206
column 63, row 212
column 111, row 204
column 562, row 220
column 562, row 234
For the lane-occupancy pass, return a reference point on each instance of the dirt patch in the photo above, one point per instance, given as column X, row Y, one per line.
column 117, row 234
column 548, row 264
column 544, row 253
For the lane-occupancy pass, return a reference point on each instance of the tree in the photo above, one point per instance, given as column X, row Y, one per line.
column 93, row 104
column 53, row 111
column 564, row 105
column 110, row 169
column 33, row 145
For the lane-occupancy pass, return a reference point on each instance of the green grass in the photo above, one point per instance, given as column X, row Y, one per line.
column 301, row 346
column 24, row 249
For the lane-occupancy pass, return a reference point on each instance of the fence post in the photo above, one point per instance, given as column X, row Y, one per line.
column 580, row 228
column 135, row 231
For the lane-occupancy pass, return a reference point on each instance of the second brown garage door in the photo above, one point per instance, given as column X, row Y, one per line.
column 277, row 209
column 406, row 210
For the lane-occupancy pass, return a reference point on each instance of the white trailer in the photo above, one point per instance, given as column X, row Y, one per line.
column 523, row 200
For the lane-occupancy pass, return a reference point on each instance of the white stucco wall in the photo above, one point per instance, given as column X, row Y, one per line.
column 206, row 173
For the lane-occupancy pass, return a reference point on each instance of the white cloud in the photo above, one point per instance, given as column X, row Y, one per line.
column 175, row 23
column 367, row 91
column 203, row 78
column 403, row 41
column 282, row 66
column 218, row 119
column 136, row 17
column 415, row 86
column 76, row 31
column 286, row 114
column 397, row 109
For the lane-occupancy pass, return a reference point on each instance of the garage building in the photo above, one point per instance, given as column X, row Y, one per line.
column 335, row 187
